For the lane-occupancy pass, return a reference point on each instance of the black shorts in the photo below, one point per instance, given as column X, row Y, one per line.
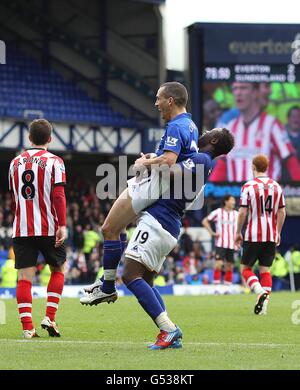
column 225, row 254
column 27, row 249
column 264, row 252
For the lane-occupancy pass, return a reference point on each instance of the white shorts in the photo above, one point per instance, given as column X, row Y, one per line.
column 150, row 243
column 146, row 191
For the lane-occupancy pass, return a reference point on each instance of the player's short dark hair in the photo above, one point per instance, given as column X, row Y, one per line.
column 292, row 109
column 225, row 198
column 177, row 91
column 261, row 163
column 40, row 131
column 226, row 142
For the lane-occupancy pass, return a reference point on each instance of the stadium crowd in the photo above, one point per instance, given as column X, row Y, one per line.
column 188, row 263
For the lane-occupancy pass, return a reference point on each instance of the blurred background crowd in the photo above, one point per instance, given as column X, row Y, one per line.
column 188, row 263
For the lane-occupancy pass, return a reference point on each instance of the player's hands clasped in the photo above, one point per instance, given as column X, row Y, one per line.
column 61, row 235
column 139, row 165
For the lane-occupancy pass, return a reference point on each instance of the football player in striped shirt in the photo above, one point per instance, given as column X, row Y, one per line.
column 225, row 220
column 36, row 181
column 263, row 202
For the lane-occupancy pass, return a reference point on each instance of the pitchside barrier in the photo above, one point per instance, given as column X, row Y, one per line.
column 176, row 289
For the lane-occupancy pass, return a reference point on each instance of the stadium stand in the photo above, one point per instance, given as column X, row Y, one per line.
column 29, row 89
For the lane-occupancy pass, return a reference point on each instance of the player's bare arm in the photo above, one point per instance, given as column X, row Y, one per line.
column 207, row 226
column 59, row 199
column 167, row 158
column 243, row 211
column 281, row 214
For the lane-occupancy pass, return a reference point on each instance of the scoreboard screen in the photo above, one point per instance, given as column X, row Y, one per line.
column 253, row 73
column 246, row 77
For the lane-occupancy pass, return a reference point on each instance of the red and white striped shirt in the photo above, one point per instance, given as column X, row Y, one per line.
column 263, row 197
column 264, row 135
column 32, row 176
column 226, row 224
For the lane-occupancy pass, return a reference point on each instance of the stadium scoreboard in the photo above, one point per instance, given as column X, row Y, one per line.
column 233, row 52
column 253, row 73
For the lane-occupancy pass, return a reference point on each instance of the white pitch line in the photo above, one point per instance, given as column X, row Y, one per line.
column 208, row 344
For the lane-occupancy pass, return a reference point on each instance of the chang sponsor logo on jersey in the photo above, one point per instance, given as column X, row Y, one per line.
column 171, row 141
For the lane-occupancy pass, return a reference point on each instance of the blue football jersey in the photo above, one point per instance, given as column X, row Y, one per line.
column 169, row 212
column 181, row 137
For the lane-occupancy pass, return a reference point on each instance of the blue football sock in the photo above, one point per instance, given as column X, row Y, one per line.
column 123, row 240
column 146, row 297
column 159, row 297
column 111, row 259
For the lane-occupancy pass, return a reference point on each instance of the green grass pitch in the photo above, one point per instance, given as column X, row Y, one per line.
column 220, row 332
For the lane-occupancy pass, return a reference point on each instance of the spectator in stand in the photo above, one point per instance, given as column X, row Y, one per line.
column 279, row 272
column 78, row 238
column 190, row 265
column 90, row 250
column 185, row 243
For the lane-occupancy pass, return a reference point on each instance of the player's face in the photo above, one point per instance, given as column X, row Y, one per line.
column 245, row 95
column 207, row 137
column 294, row 120
column 230, row 203
column 204, row 139
column 163, row 104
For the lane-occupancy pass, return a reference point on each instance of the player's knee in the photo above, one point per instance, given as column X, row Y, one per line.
column 58, row 268
column 26, row 274
column 229, row 267
column 129, row 275
column 109, row 232
column 219, row 264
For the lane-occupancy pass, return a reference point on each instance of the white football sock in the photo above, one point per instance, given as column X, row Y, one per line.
column 164, row 322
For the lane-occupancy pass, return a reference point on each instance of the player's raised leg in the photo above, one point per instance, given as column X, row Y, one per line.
column 119, row 216
column 99, row 282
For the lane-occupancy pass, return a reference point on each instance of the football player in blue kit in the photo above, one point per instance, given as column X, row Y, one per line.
column 157, row 232
column 178, row 143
